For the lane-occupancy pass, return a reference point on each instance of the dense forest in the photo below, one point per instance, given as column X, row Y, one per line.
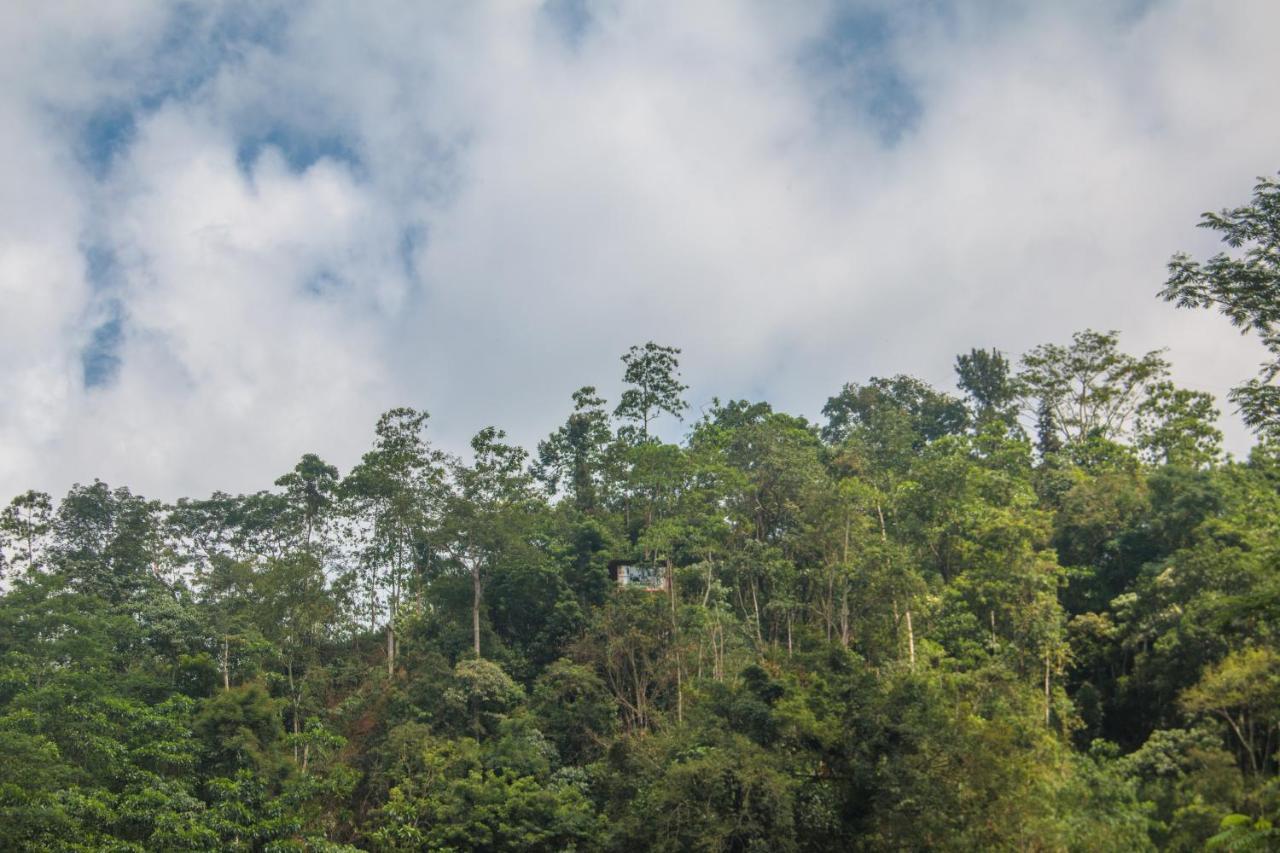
column 1038, row 613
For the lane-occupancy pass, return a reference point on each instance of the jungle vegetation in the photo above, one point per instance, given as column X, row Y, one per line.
column 1040, row 612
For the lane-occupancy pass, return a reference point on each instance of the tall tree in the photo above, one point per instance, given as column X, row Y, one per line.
column 490, row 493
column 1245, row 287
column 985, row 376
column 901, row 405
column 574, row 454
column 25, row 525
column 311, row 487
column 1176, row 426
column 653, row 376
column 396, row 493
column 1088, row 387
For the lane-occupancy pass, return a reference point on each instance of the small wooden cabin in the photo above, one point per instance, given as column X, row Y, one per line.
column 648, row 577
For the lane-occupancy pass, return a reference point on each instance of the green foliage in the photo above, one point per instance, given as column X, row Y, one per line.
column 723, row 797
column 574, row 709
column 1177, row 427
column 653, row 378
column 240, row 729
column 1243, row 285
column 905, row 630
column 454, row 802
column 483, row 694
column 1087, row 388
column 897, row 411
column 985, row 376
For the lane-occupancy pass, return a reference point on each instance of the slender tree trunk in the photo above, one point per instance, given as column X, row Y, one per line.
column 844, row 616
column 293, row 695
column 1047, row 694
column 1244, row 742
column 755, row 604
column 675, row 641
column 391, row 645
column 829, row 606
column 392, row 606
column 911, row 640
column 720, row 634
column 844, row 588
column 226, row 663
column 475, row 606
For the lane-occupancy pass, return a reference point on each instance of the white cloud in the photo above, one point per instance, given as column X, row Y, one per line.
column 467, row 211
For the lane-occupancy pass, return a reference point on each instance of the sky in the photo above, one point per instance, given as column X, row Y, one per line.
column 232, row 233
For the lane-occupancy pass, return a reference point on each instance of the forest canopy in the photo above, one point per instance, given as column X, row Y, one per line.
column 1037, row 613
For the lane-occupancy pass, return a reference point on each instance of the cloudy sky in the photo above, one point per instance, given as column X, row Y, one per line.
column 232, row 233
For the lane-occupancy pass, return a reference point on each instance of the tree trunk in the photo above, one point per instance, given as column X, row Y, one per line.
column 675, row 641
column 1047, row 695
column 475, row 607
column 755, row 605
column 844, row 616
column 293, row 695
column 911, row 640
column 391, row 645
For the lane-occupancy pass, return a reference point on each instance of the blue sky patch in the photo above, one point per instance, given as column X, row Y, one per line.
column 99, row 265
column 571, row 19
column 322, row 284
column 412, row 239
column 100, row 360
column 198, row 41
column 855, row 64
column 300, row 150
column 106, row 133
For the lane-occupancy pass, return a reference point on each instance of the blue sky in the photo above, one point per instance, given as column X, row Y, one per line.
column 232, row 233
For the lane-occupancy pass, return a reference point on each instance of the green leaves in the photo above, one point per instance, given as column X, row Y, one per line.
column 653, row 374
column 1089, row 387
column 1176, row 426
column 458, row 799
column 865, row 643
column 1244, row 285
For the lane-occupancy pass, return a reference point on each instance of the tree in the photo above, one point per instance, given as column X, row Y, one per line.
column 1175, row 426
column 1245, row 287
column 902, row 405
column 458, row 800
column 985, row 376
column 1243, row 690
column 728, row 797
column 575, row 710
column 484, row 694
column 1087, row 388
column 311, row 487
column 293, row 608
column 395, row 494
column 240, row 729
column 24, row 532
column 574, row 454
column 109, row 543
column 491, row 494
column 653, row 374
